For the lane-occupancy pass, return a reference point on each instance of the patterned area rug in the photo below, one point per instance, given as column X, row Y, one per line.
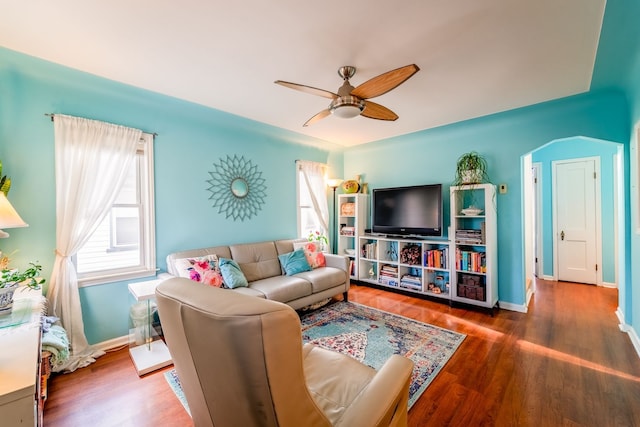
column 372, row 336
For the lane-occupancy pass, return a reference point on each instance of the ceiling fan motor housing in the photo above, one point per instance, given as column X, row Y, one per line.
column 347, row 106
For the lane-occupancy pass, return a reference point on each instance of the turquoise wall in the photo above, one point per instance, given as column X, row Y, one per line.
column 430, row 156
column 572, row 148
column 618, row 66
column 191, row 138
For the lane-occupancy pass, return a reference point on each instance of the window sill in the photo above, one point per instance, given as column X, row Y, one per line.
column 112, row 278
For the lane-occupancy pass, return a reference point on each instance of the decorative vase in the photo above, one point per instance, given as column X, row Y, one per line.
column 350, row 187
column 6, row 299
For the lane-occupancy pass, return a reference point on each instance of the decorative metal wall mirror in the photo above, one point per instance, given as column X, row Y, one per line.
column 237, row 188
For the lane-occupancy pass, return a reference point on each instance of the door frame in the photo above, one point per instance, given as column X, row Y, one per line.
column 598, row 208
column 538, row 231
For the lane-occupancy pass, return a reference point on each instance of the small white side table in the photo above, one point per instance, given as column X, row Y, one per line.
column 153, row 353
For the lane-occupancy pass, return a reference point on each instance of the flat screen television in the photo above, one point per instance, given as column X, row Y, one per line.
column 405, row 211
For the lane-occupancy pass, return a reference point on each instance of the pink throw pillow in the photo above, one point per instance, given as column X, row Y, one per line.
column 314, row 255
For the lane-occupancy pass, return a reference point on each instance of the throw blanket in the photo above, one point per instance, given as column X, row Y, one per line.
column 55, row 341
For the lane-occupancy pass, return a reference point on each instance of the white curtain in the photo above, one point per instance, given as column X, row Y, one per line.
column 91, row 159
column 314, row 179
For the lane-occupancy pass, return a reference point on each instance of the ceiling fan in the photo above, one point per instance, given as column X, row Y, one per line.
column 351, row 102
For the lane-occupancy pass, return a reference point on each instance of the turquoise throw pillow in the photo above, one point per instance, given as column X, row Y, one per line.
column 294, row 262
column 231, row 273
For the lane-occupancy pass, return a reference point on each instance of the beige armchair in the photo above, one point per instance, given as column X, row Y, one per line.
column 241, row 362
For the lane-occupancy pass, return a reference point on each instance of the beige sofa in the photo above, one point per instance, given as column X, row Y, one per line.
column 260, row 265
column 241, row 362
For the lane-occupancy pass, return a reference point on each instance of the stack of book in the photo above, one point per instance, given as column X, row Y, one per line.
column 388, row 275
column 369, row 250
column 411, row 282
column 348, row 231
column 469, row 237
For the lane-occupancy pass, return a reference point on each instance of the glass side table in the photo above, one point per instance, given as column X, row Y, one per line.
column 148, row 351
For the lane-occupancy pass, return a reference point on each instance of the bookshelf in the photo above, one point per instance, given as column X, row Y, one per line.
column 473, row 233
column 414, row 265
column 353, row 214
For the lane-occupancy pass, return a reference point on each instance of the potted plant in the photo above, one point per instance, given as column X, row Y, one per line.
column 10, row 279
column 471, row 168
column 320, row 239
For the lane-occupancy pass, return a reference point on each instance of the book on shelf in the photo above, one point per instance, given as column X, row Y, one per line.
column 470, row 236
column 387, row 280
column 471, row 261
column 369, row 250
column 436, row 258
column 348, row 231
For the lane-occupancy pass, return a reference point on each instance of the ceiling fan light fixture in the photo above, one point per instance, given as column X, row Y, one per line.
column 347, row 107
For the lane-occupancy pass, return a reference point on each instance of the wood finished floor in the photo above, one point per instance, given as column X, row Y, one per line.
column 564, row 363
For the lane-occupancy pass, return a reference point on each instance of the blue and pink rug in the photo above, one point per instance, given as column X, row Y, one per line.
column 372, row 336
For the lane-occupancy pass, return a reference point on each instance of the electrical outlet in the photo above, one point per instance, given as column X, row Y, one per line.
column 502, row 188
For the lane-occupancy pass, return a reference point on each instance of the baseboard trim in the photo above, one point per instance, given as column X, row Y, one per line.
column 112, row 343
column 520, row 308
column 609, row 285
column 635, row 340
column 628, row 329
column 550, row 278
column 530, row 293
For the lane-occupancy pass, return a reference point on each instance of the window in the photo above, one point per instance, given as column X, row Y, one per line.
column 123, row 245
column 312, row 200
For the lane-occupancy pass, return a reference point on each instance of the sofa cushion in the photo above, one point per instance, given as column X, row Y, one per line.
column 204, row 269
column 256, row 260
column 294, row 262
column 312, row 251
column 323, row 278
column 232, row 274
column 220, row 251
column 282, row 288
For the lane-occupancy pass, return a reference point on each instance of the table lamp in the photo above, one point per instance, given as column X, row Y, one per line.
column 9, row 218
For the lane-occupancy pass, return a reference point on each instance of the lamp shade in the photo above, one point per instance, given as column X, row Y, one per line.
column 9, row 218
column 334, row 182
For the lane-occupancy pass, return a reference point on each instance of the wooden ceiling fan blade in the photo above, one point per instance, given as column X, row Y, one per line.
column 307, row 89
column 384, row 82
column 321, row 115
column 378, row 112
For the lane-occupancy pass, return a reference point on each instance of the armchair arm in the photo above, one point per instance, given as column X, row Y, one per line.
column 384, row 402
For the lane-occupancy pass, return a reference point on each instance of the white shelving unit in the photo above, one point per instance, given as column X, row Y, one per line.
column 353, row 214
column 474, row 239
column 421, row 266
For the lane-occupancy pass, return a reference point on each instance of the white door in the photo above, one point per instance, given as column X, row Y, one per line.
column 575, row 220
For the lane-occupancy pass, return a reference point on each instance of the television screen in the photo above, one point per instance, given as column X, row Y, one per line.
column 415, row 210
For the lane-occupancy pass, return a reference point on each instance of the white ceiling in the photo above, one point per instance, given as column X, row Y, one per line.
column 476, row 57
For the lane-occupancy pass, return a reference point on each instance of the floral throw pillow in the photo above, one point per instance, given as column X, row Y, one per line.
column 204, row 269
column 313, row 253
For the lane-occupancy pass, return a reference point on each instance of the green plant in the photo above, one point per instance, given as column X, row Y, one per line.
column 5, row 182
column 29, row 277
column 471, row 168
column 316, row 236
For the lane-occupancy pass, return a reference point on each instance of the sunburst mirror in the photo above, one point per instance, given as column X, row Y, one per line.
column 237, row 188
